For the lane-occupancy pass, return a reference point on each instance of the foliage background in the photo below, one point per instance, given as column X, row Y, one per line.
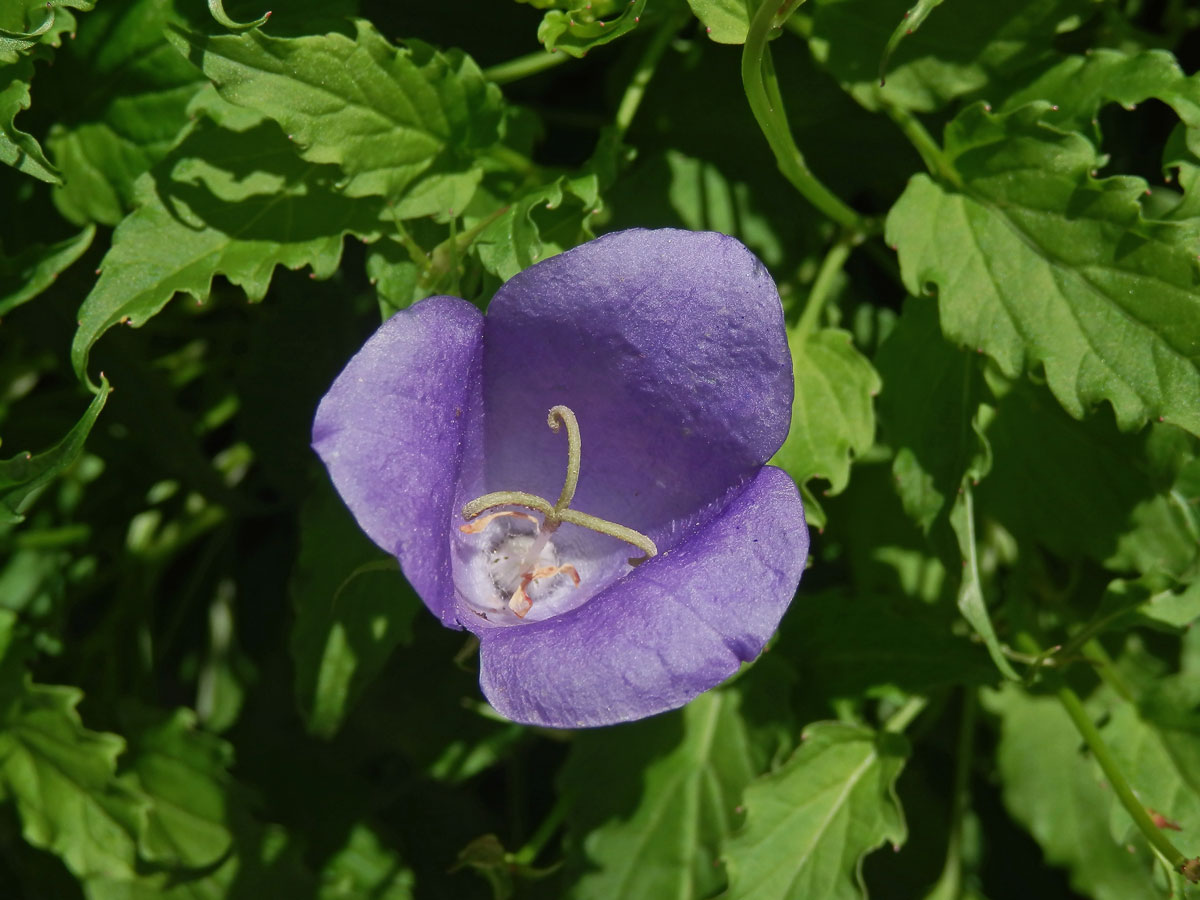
column 212, row 685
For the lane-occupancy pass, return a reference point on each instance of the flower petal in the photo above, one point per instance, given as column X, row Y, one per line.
column 670, row 348
column 678, row 625
column 391, row 432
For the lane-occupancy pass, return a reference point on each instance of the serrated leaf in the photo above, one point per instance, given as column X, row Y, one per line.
column 967, row 48
column 1052, row 789
column 581, row 27
column 62, row 778
column 725, row 21
column 26, row 23
column 18, row 149
column 24, row 475
column 364, row 867
column 397, row 120
column 225, row 202
column 810, row 823
column 651, row 800
column 217, row 9
column 833, row 415
column 1036, row 263
column 133, row 92
column 353, row 608
column 34, row 268
column 183, row 773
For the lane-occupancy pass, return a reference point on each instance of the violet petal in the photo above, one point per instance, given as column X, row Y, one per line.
column 676, row 626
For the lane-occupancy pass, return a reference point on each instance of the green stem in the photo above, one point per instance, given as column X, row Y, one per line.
column 636, row 90
column 903, row 717
column 831, row 265
column 1116, row 778
column 762, row 90
column 949, row 883
column 524, row 66
column 546, row 830
column 931, row 154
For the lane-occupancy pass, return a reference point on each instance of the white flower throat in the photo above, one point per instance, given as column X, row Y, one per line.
column 524, row 557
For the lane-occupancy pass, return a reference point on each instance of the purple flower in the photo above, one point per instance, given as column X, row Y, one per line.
column 618, row 566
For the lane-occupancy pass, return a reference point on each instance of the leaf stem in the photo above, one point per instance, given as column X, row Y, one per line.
column 636, row 90
column 822, row 285
column 546, row 830
column 1116, row 778
column 949, row 883
column 524, row 66
column 762, row 90
column 931, row 154
column 903, row 717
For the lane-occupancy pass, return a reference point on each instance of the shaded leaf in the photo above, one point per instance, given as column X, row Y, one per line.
column 929, row 409
column 967, row 48
column 364, row 867
column 24, row 475
column 401, row 122
column 913, row 20
column 130, row 93
column 353, row 608
column 862, row 644
column 810, row 823
column 31, row 271
column 225, row 202
column 1038, row 264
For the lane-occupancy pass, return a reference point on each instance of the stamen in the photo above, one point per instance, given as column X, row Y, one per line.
column 481, row 524
column 520, row 603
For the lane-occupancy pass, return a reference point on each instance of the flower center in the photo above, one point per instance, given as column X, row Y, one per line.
column 531, row 567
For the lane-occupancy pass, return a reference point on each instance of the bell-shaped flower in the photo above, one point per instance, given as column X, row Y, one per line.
column 578, row 477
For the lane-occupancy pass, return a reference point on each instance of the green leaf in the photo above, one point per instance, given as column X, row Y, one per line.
column 540, row 224
column 24, row 475
column 810, row 823
column 18, row 149
column 1038, row 264
column 353, row 608
column 133, row 105
column 24, row 276
column 217, row 9
column 62, row 779
column 929, row 409
column 225, row 202
column 585, row 25
column 725, row 21
column 833, row 415
column 183, row 772
column 967, row 48
column 364, row 867
column 402, row 122
column 1162, row 766
column 652, row 800
column 1054, row 791
column 854, row 644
